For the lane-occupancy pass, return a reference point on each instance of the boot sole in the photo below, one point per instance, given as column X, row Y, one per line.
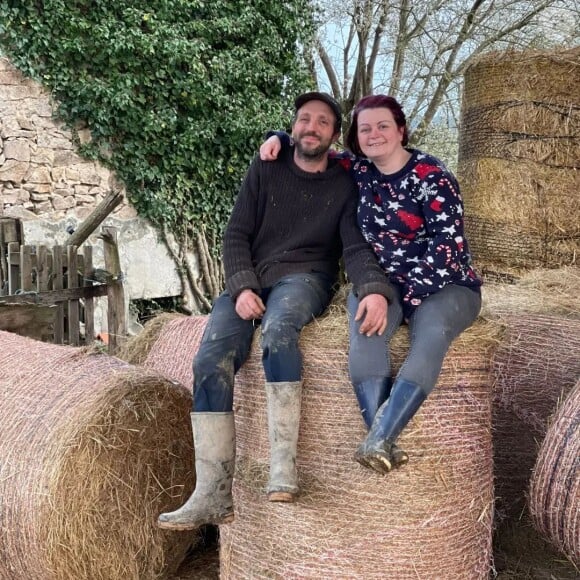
column 375, row 462
column 192, row 526
column 282, row 496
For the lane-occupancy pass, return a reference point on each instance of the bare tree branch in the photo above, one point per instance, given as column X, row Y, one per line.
column 419, row 50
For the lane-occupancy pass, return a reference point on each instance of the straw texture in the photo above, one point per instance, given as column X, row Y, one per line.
column 536, row 366
column 538, row 291
column 91, row 451
column 555, row 485
column 431, row 519
column 136, row 349
column 176, row 345
column 518, row 159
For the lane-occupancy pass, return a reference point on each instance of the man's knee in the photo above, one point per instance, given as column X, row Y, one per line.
column 279, row 331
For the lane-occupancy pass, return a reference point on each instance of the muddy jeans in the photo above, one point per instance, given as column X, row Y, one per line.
column 290, row 304
column 433, row 326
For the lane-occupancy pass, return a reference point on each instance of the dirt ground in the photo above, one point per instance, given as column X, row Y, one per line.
column 202, row 561
column 520, row 553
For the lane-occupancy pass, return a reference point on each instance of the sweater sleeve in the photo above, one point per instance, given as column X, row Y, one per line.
column 237, row 247
column 362, row 267
column 443, row 211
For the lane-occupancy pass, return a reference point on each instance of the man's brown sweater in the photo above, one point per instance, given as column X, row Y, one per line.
column 286, row 220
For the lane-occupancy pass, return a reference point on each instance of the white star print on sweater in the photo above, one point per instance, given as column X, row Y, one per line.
column 413, row 219
column 422, row 247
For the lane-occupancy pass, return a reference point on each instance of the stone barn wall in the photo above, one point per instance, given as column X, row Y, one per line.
column 46, row 184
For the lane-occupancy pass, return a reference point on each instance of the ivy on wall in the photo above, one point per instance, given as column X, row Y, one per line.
column 176, row 94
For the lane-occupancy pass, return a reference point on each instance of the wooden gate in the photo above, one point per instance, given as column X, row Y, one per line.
column 48, row 293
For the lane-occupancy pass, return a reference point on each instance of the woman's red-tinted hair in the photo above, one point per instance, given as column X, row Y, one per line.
column 375, row 102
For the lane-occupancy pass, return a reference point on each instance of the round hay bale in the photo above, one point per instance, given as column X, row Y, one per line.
column 535, row 366
column 176, row 345
column 537, row 291
column 91, row 451
column 518, row 159
column 555, row 485
column 135, row 350
column 349, row 522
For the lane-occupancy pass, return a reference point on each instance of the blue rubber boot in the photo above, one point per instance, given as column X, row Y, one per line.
column 379, row 451
column 371, row 394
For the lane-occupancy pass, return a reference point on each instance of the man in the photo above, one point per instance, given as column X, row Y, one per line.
column 291, row 222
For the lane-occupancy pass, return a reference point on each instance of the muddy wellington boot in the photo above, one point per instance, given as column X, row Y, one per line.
column 283, row 422
column 371, row 394
column 379, row 451
column 211, row 501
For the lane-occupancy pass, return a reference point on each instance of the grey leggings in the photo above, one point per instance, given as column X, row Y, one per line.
column 433, row 326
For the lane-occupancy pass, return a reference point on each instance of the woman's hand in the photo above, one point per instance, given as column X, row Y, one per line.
column 270, row 148
column 373, row 309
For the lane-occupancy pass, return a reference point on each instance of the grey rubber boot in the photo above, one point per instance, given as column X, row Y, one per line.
column 215, row 449
column 283, row 423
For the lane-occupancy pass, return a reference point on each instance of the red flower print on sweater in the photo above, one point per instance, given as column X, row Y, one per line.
column 424, row 169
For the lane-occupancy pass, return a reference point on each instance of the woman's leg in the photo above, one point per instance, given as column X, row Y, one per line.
column 369, row 359
column 434, row 325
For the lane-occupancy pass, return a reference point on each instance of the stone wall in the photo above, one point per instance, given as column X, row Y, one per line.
column 46, row 184
column 39, row 168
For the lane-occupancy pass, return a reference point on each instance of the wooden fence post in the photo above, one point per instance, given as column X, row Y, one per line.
column 115, row 292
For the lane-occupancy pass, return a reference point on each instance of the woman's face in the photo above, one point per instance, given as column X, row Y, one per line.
column 379, row 137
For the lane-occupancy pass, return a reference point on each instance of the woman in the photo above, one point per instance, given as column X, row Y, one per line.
column 411, row 212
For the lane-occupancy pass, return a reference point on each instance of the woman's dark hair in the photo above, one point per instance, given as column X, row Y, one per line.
column 375, row 102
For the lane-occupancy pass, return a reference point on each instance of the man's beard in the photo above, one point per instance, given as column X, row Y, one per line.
column 312, row 154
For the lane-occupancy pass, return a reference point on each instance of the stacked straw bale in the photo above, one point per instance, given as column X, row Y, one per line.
column 519, row 153
column 91, row 451
column 431, row 519
column 536, row 366
column 555, row 485
column 539, row 291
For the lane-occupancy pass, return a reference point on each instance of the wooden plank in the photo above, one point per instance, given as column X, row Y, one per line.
column 116, row 296
column 73, row 304
column 11, row 230
column 15, row 257
column 29, row 320
column 56, row 296
column 57, row 284
column 89, row 302
column 95, row 218
column 26, row 269
column 42, row 269
column 3, row 263
column 13, row 269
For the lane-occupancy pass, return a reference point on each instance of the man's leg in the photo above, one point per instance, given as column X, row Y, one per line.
column 369, row 360
column 433, row 326
column 223, row 350
column 293, row 302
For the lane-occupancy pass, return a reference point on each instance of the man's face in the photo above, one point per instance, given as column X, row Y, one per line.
column 313, row 130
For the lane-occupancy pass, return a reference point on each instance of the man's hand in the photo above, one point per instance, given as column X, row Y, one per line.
column 270, row 148
column 249, row 305
column 373, row 309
